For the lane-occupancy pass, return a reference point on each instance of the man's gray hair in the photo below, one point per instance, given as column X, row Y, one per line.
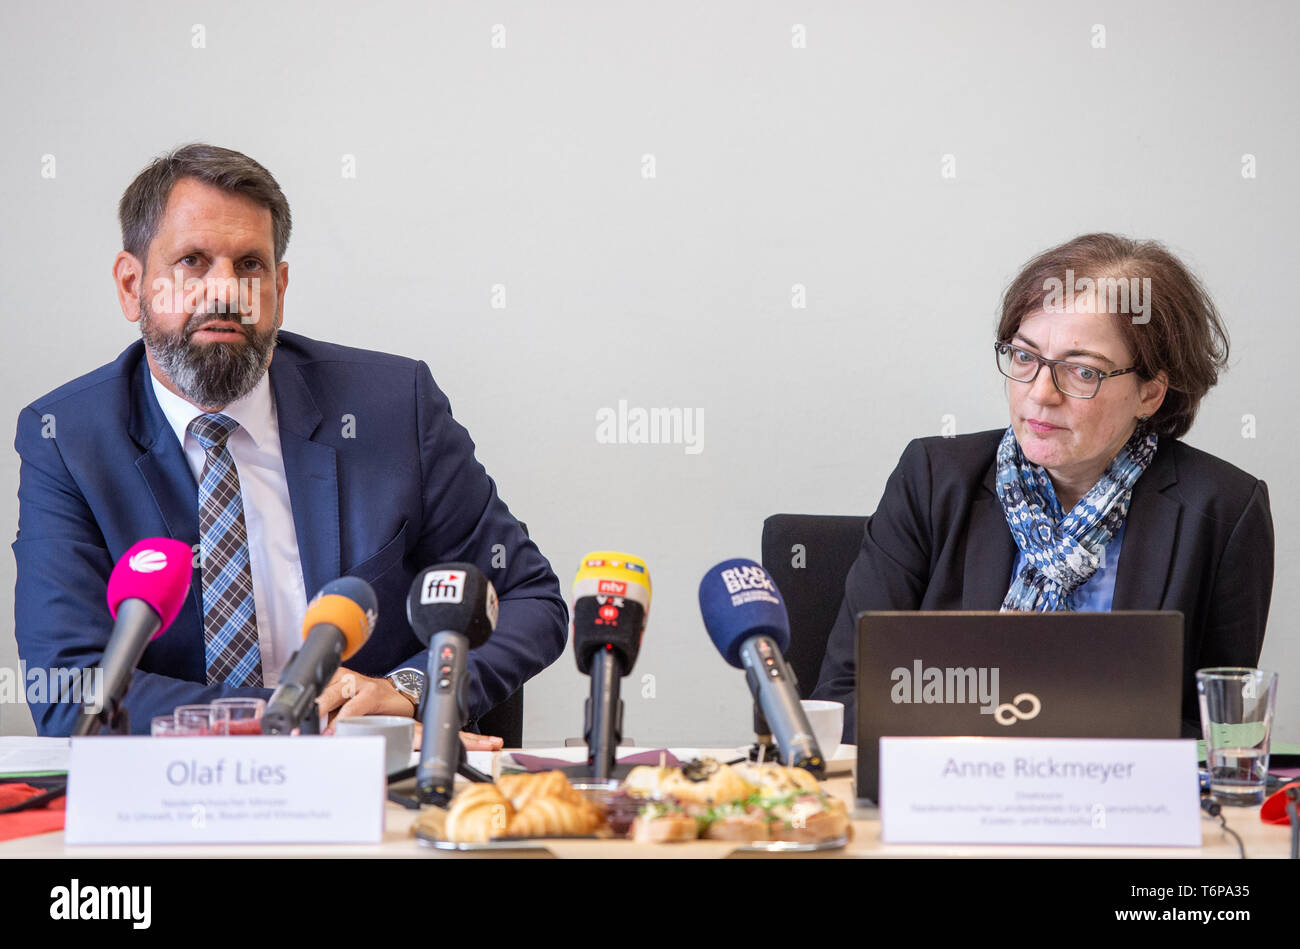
column 141, row 208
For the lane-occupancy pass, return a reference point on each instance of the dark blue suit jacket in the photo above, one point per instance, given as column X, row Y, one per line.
column 404, row 493
column 1198, row 539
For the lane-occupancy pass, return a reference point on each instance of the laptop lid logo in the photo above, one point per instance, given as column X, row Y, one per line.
column 946, row 685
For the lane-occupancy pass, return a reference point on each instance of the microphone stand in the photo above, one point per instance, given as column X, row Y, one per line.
column 763, row 739
column 464, row 769
column 602, row 721
column 112, row 719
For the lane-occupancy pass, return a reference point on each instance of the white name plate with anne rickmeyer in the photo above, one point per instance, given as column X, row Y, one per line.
column 1113, row 792
column 251, row 789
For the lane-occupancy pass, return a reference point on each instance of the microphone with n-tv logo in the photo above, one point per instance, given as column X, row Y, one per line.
column 746, row 619
column 146, row 591
column 611, row 602
column 453, row 609
column 338, row 622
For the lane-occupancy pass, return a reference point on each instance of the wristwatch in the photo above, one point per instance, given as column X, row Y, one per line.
column 410, row 683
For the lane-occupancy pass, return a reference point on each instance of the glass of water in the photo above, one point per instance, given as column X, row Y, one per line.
column 1236, row 718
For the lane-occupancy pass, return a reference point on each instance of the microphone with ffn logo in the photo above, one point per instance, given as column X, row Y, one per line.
column 453, row 609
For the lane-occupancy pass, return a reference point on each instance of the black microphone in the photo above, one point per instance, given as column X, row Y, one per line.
column 146, row 590
column 453, row 609
column 746, row 619
column 338, row 622
column 611, row 603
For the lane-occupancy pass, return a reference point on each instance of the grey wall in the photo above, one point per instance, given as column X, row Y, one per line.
column 774, row 166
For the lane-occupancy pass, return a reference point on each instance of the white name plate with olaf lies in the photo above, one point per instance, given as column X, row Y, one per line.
column 1112, row 792
column 218, row 790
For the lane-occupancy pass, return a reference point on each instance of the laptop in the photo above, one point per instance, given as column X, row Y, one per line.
column 1015, row 675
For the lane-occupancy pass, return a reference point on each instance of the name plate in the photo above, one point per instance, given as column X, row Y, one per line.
column 253, row 789
column 1113, row 792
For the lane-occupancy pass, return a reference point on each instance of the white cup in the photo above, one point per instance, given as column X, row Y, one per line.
column 827, row 721
column 398, row 734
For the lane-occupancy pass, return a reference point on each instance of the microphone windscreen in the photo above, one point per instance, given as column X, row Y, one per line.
column 611, row 603
column 156, row 570
column 452, row 597
column 348, row 603
column 609, row 573
column 738, row 599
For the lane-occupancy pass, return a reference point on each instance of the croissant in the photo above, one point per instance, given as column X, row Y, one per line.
column 523, row 788
column 479, row 813
column 553, row 817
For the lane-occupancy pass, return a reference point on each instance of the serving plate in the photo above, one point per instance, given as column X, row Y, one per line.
column 792, row 846
column 515, row 843
column 538, row 843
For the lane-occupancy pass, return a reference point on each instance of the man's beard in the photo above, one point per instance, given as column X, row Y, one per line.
column 209, row 374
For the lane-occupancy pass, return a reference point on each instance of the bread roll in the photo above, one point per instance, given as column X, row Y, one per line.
column 741, row 827
column 670, row 828
column 724, row 786
column 813, row 828
column 646, row 780
column 776, row 780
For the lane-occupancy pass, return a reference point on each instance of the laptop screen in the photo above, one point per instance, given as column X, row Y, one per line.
column 1015, row 675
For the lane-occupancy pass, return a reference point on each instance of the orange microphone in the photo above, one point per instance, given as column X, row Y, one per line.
column 338, row 622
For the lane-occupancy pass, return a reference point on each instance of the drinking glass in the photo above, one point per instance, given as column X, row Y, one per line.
column 245, row 715
column 1236, row 718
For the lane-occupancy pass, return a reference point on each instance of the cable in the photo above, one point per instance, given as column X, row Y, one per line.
column 1212, row 808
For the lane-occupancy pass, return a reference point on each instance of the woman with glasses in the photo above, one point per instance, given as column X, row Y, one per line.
column 1087, row 500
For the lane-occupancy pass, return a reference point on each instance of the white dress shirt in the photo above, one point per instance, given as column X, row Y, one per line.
column 279, row 594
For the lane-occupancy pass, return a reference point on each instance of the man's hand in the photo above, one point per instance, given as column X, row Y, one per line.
column 350, row 693
column 472, row 741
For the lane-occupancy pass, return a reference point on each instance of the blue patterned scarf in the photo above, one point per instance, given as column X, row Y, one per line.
column 1062, row 551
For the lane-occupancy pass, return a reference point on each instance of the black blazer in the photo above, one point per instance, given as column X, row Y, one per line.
column 1198, row 539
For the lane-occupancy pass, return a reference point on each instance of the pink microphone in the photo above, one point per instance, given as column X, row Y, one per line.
column 146, row 591
column 156, row 570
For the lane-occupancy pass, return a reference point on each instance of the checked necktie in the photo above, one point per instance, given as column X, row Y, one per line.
column 229, row 622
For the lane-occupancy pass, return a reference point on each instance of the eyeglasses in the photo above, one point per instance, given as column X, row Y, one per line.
column 1070, row 378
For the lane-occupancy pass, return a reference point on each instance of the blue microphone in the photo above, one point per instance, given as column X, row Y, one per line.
column 746, row 619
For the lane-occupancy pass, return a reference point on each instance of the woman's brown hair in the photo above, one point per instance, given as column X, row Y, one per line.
column 1180, row 332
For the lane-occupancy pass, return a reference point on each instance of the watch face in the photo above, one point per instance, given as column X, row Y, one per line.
column 408, row 681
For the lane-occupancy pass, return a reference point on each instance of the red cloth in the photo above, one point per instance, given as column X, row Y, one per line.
column 41, row 820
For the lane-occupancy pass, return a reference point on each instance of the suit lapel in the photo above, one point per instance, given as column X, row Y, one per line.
column 164, row 468
column 170, row 481
column 987, row 574
column 310, row 469
column 1150, row 533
